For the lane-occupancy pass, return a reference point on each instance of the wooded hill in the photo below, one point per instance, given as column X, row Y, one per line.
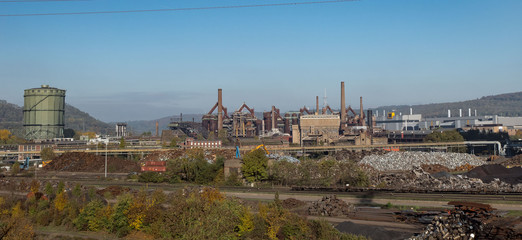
column 11, row 117
column 508, row 105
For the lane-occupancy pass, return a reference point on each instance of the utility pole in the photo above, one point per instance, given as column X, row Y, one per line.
column 106, row 144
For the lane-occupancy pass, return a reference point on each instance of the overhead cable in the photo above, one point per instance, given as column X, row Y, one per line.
column 176, row 9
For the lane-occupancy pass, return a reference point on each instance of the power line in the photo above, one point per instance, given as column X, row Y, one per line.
column 28, row 1
column 177, row 9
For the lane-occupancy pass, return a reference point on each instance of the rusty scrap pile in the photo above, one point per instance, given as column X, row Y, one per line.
column 470, row 221
column 418, row 179
column 434, row 168
column 514, row 161
column 408, row 160
column 357, row 155
column 86, row 162
column 330, row 206
column 290, row 203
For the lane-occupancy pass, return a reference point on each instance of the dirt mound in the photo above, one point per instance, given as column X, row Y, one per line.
column 488, row 173
column 87, row 162
column 290, row 203
column 434, row 168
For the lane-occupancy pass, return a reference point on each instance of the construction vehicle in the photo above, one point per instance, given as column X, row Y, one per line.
column 261, row 146
column 46, row 162
column 25, row 165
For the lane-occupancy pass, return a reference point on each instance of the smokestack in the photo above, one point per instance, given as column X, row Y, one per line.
column 411, row 111
column 361, row 113
column 469, row 112
column 157, row 129
column 449, row 113
column 475, row 112
column 273, row 118
column 343, row 104
column 180, row 117
column 220, row 109
column 460, row 112
column 316, row 105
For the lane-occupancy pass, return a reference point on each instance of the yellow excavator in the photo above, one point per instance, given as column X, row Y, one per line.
column 261, row 146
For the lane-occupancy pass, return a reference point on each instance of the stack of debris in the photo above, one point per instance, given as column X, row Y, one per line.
column 330, row 206
column 408, row 160
column 291, row 203
column 87, row 162
column 514, row 161
column 418, row 179
column 357, row 155
column 469, row 221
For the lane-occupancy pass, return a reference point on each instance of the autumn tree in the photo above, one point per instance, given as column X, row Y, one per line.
column 47, row 154
column 5, row 136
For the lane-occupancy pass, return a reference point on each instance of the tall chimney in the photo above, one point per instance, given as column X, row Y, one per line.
column 273, row 118
column 343, row 104
column 316, row 105
column 469, row 112
column 157, row 129
column 449, row 113
column 220, row 109
column 411, row 111
column 361, row 114
column 460, row 112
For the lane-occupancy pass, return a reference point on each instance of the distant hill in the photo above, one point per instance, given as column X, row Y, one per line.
column 11, row 117
column 508, row 105
column 141, row 126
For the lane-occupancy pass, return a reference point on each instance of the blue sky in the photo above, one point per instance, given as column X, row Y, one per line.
column 138, row 66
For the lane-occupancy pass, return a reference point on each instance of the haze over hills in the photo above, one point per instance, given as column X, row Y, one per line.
column 508, row 104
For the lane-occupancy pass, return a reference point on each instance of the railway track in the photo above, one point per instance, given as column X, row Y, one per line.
column 363, row 195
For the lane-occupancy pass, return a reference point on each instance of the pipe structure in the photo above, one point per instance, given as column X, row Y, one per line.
column 343, row 104
column 157, row 128
column 220, row 109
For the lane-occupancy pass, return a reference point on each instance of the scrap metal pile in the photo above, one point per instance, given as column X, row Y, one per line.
column 330, row 206
column 408, row 160
column 421, row 171
column 471, row 221
column 418, row 179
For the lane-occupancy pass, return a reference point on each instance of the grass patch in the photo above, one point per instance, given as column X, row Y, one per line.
column 514, row 213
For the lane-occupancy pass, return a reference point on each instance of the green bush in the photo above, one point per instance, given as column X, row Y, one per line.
column 153, row 177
